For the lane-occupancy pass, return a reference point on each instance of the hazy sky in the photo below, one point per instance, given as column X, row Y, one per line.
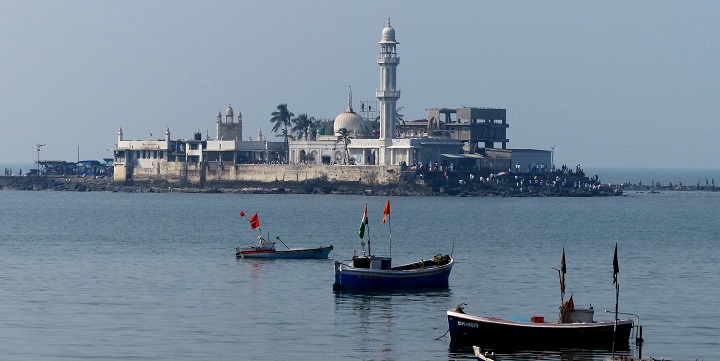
column 626, row 84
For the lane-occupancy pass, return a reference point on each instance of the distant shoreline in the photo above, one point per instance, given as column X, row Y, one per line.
column 89, row 184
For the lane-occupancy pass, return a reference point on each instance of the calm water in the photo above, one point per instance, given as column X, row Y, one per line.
column 153, row 276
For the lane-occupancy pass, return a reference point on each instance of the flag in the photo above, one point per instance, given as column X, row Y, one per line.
column 616, row 268
column 254, row 221
column 242, row 214
column 386, row 211
column 363, row 223
column 563, row 271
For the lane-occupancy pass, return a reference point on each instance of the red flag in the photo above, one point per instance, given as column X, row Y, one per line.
column 386, row 211
column 254, row 221
column 616, row 267
column 242, row 214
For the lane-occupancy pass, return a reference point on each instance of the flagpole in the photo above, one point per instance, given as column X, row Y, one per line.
column 390, row 227
column 617, row 295
column 616, row 270
column 368, row 229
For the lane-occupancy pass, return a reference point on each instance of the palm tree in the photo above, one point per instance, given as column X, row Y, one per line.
column 304, row 125
column 283, row 134
column 282, row 118
column 399, row 120
column 344, row 136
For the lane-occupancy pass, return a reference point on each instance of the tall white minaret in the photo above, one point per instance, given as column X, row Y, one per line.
column 388, row 93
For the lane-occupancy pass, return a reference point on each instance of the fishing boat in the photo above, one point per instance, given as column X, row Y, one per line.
column 575, row 327
column 266, row 249
column 370, row 272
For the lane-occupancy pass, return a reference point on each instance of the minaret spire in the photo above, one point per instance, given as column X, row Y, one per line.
column 350, row 109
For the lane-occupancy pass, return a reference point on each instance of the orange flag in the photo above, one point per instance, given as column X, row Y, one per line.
column 386, row 211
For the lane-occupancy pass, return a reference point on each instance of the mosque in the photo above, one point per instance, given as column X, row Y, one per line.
column 358, row 146
column 447, row 137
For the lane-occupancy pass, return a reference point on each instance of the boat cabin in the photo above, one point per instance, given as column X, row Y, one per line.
column 372, row 262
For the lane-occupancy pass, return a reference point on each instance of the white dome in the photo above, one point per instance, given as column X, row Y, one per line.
column 350, row 121
column 229, row 111
column 388, row 35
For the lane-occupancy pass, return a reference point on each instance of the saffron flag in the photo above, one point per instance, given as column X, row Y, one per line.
column 386, row 211
column 363, row 223
column 616, row 268
column 242, row 214
column 254, row 221
column 563, row 271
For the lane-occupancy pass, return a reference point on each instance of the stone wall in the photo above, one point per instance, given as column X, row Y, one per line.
column 184, row 173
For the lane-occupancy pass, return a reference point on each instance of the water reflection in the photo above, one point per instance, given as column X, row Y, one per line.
column 381, row 323
column 461, row 352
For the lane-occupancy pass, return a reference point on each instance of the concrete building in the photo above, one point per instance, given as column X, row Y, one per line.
column 183, row 158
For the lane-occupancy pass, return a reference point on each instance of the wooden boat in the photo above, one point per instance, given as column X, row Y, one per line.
column 370, row 272
column 267, row 249
column 499, row 333
column 575, row 327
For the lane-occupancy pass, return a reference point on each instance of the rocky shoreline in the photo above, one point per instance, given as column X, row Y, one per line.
column 311, row 187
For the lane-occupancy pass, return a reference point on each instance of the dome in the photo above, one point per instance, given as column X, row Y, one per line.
column 229, row 111
column 350, row 121
column 388, row 35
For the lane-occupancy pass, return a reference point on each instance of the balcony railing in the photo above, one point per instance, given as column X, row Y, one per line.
column 388, row 60
column 387, row 94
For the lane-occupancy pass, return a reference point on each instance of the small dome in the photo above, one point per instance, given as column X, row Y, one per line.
column 350, row 121
column 388, row 35
column 229, row 111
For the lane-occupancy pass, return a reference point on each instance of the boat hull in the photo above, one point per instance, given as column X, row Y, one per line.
column 303, row 253
column 351, row 278
column 496, row 333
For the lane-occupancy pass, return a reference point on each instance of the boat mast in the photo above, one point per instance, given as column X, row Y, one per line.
column 616, row 270
column 386, row 216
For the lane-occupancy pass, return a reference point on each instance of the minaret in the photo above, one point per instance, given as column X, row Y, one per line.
column 388, row 93
column 229, row 114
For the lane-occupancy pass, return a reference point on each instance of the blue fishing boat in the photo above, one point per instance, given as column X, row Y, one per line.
column 370, row 272
column 266, row 249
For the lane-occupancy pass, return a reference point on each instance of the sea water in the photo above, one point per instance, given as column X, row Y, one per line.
column 102, row 275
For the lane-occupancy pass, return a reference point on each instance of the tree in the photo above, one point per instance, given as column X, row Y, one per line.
column 282, row 118
column 344, row 137
column 304, row 126
column 282, row 134
column 399, row 120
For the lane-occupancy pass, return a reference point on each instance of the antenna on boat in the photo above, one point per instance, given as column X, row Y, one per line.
column 278, row 238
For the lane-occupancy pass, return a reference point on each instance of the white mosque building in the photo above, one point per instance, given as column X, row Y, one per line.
column 353, row 143
column 358, row 147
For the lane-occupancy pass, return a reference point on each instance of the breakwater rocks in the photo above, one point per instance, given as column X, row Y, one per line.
column 468, row 189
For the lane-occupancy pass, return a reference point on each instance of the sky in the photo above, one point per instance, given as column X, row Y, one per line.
column 607, row 84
